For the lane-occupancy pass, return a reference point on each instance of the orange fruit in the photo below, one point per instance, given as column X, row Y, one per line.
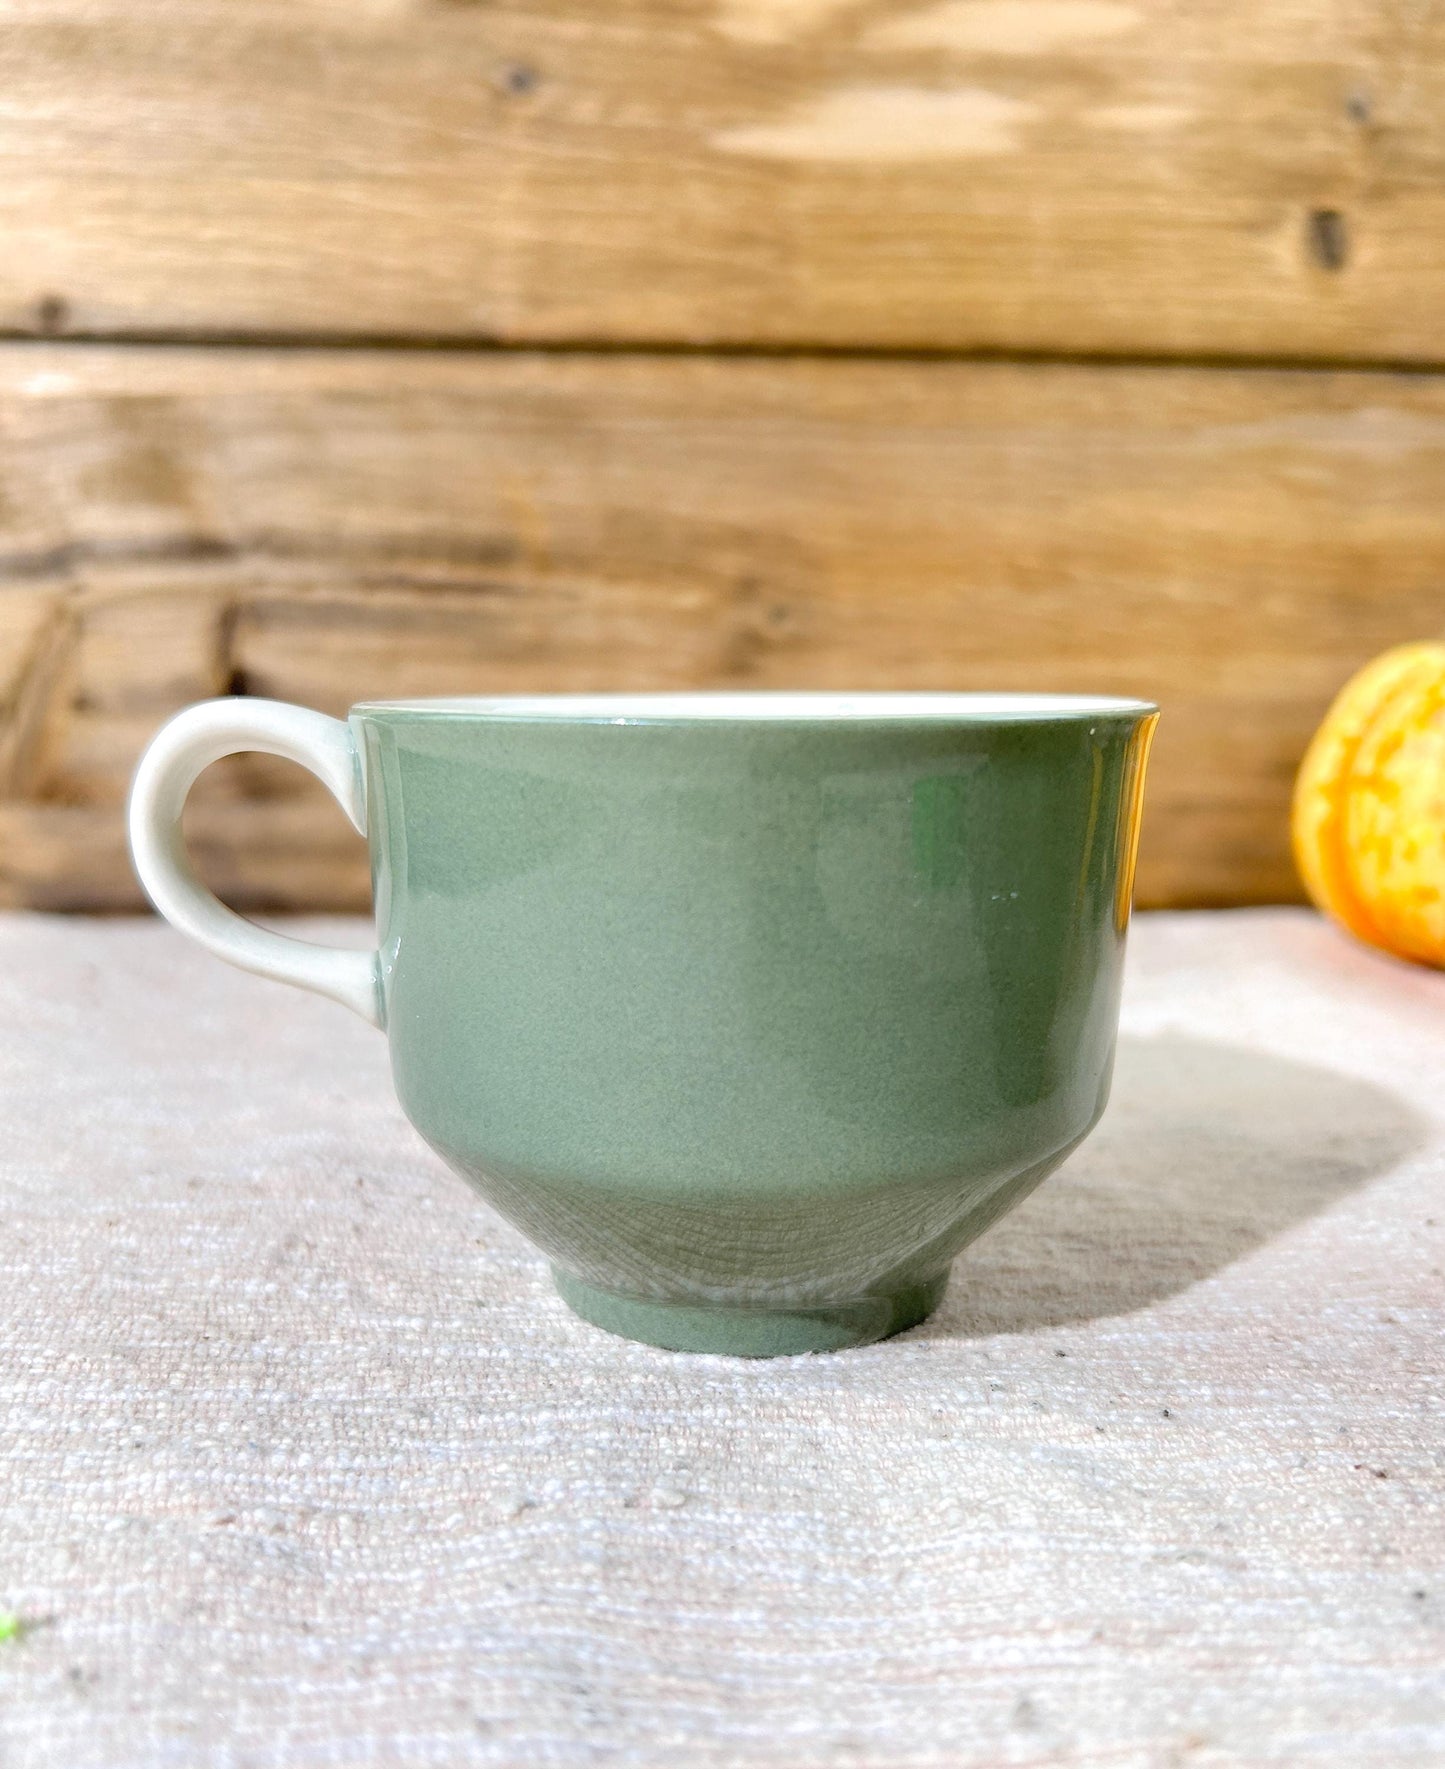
column 1368, row 820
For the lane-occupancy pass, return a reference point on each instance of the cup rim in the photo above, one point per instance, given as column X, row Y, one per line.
column 755, row 706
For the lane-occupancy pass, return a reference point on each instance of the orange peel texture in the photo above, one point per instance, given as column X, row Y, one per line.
column 1368, row 821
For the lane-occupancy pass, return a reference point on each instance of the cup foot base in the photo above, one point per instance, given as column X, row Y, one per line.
column 752, row 1331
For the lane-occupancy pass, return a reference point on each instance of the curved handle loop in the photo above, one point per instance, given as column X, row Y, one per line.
column 180, row 750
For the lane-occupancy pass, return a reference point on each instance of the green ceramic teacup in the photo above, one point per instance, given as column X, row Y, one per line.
column 750, row 1010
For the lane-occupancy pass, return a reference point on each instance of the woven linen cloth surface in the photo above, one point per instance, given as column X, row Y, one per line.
column 303, row 1463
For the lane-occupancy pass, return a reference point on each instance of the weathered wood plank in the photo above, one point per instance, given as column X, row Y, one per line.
column 1136, row 176
column 327, row 526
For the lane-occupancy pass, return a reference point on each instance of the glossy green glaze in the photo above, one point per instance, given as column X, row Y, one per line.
column 751, row 1022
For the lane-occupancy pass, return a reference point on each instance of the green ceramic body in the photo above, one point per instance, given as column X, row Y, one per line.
column 752, row 1023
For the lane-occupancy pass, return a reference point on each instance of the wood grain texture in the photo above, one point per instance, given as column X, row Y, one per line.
column 327, row 526
column 1129, row 176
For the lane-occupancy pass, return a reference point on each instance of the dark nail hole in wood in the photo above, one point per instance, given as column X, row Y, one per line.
column 1329, row 240
column 1358, row 108
column 519, row 79
column 51, row 314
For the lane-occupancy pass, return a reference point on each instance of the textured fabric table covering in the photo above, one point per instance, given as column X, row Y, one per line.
column 304, row 1464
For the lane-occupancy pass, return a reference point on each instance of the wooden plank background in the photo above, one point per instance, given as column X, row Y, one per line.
column 323, row 526
column 1155, row 176
column 399, row 346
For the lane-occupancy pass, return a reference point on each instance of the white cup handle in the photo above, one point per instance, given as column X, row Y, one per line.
column 180, row 750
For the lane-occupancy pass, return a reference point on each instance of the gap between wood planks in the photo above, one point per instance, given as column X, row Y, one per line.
column 472, row 345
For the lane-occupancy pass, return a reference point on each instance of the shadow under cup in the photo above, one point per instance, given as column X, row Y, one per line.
column 751, row 1011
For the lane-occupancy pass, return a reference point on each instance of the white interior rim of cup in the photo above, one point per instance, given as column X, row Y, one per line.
column 623, row 709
